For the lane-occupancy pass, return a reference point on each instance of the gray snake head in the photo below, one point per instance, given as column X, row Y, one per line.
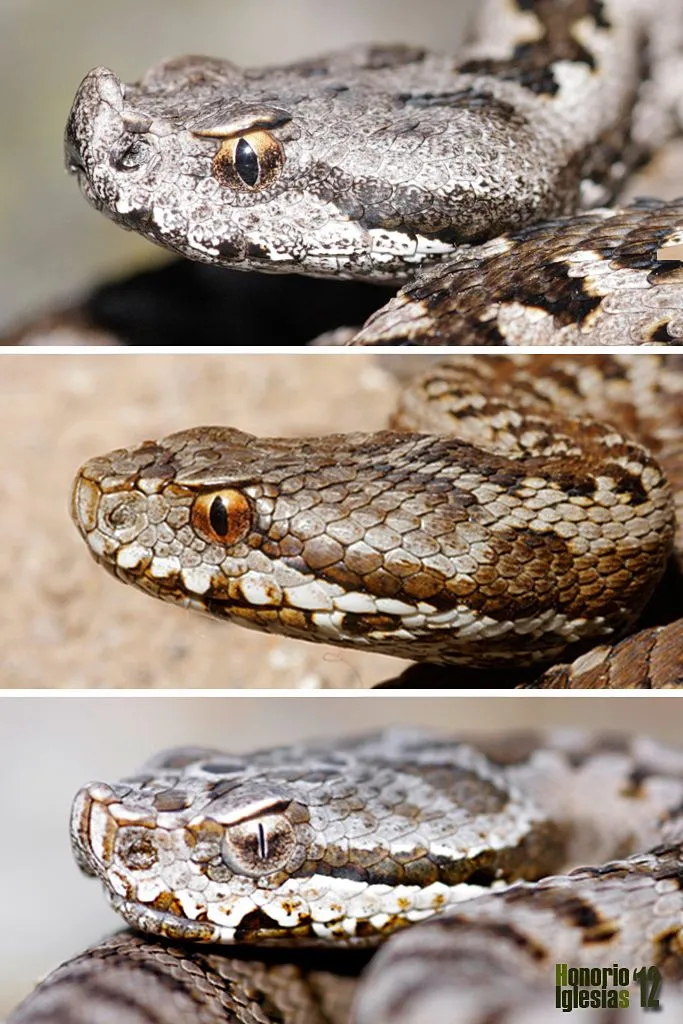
column 307, row 844
column 367, row 163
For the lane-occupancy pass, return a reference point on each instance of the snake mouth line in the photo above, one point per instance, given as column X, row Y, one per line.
column 542, row 638
column 258, row 927
column 364, row 630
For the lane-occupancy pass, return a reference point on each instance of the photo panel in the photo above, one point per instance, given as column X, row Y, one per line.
column 274, row 854
column 477, row 520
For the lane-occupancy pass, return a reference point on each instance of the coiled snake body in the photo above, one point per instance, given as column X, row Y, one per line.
column 380, row 161
column 340, row 845
column 513, row 529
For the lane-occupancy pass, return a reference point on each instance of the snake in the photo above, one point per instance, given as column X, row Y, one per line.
column 480, row 184
column 252, row 882
column 519, row 514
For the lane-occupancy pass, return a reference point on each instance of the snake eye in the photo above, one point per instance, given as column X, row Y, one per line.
column 260, row 846
column 246, row 162
column 249, row 163
column 222, row 517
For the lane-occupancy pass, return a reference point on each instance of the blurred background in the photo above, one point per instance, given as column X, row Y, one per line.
column 69, row 624
column 52, row 245
column 51, row 745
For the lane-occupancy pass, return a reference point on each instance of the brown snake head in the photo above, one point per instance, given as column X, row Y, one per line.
column 419, row 546
column 308, row 844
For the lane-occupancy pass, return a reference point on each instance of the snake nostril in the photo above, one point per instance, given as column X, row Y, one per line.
column 74, row 166
column 137, row 849
column 122, row 516
column 73, row 159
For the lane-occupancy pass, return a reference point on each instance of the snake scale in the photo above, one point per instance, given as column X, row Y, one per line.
column 480, row 181
column 315, row 850
column 510, row 519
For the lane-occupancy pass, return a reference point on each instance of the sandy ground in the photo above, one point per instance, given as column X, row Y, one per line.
column 49, row 746
column 65, row 622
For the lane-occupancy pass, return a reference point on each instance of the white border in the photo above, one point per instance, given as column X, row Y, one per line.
column 444, row 351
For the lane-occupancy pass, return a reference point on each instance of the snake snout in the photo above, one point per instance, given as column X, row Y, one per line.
column 94, row 120
column 89, row 836
column 85, row 499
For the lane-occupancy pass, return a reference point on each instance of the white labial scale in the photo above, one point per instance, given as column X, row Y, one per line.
column 413, row 622
column 329, row 622
column 130, row 556
column 125, row 205
column 311, row 596
column 331, row 934
column 101, row 545
column 515, row 315
column 191, row 907
column 329, row 900
column 275, row 255
column 164, row 568
column 432, row 245
column 260, row 589
column 422, row 248
column 325, row 897
column 355, row 602
column 391, row 606
column 461, row 616
column 197, row 580
column 148, row 889
column 438, row 896
column 331, row 242
column 163, row 217
column 230, row 914
column 387, row 244
column 384, row 899
column 287, row 913
column 481, row 627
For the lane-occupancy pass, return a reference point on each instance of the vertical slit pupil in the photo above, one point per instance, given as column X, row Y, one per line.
column 262, row 842
column 246, row 162
column 218, row 517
